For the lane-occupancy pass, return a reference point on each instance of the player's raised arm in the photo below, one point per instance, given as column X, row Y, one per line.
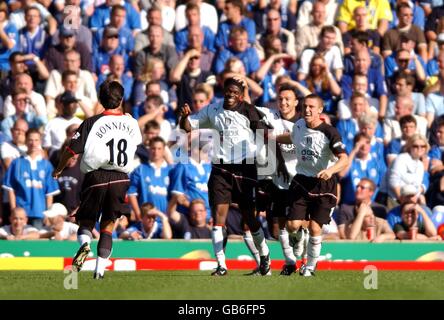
column 184, row 112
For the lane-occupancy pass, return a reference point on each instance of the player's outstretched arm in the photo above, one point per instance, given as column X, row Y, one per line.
column 184, row 112
column 64, row 158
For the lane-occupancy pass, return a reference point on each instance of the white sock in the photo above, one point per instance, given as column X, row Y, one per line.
column 298, row 248
column 218, row 245
column 313, row 251
column 101, row 264
column 290, row 259
column 306, row 239
column 248, row 239
column 259, row 241
column 83, row 238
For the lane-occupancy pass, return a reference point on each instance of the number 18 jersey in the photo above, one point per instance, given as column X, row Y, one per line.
column 108, row 141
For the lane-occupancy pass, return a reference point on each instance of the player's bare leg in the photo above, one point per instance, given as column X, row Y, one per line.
column 217, row 235
column 104, row 248
column 84, row 236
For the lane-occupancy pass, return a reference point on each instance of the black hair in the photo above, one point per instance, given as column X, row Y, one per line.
column 111, row 94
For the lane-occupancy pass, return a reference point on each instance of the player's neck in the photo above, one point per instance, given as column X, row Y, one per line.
column 314, row 123
column 115, row 111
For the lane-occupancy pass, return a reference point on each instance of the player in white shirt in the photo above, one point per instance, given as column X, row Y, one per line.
column 108, row 142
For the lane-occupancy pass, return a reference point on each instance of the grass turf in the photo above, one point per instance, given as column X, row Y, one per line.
column 192, row 285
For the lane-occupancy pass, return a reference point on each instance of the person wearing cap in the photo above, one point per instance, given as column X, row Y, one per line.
column 117, row 21
column 233, row 176
column 8, row 39
column 55, row 55
column 391, row 41
column 108, row 47
column 55, row 130
column 56, row 228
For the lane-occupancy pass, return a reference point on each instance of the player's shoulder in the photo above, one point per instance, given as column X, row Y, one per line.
column 328, row 130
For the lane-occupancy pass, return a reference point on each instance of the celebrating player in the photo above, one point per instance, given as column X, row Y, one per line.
column 108, row 142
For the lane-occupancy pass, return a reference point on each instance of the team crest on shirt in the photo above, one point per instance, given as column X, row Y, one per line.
column 25, row 175
column 227, row 121
column 373, row 172
column 166, row 180
column 309, row 141
column 42, row 174
column 147, row 180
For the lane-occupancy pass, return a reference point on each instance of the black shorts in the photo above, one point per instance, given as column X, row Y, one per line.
column 312, row 199
column 232, row 183
column 272, row 199
column 103, row 192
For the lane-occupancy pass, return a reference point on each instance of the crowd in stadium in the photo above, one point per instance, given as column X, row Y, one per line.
column 378, row 65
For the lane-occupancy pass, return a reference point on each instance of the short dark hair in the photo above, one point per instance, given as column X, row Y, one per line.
column 152, row 124
column 370, row 182
column 111, row 94
column 31, row 131
column 409, row 79
column 13, row 55
column 237, row 3
column 327, row 29
column 67, row 73
column 145, row 208
column 117, row 7
column 407, row 119
column 359, row 136
column 157, row 139
column 316, row 97
column 288, row 87
column 361, row 36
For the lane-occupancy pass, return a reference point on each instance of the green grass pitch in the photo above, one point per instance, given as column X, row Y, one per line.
column 198, row 285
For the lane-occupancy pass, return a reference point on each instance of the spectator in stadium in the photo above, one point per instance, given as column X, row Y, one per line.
column 361, row 18
column 195, row 41
column 149, row 227
column 408, row 128
column 18, row 229
column 33, row 38
column 392, row 125
column 238, row 47
column 154, row 18
column 326, row 47
column 360, row 40
column 376, row 82
column 17, row 62
column 360, row 85
column 410, row 167
column 31, row 187
column 56, row 228
column 320, row 81
column 10, row 150
column 188, row 74
column 234, row 11
column 155, row 109
column 434, row 105
column 18, row 15
column 392, row 38
column 274, row 28
column 156, row 49
column 207, row 10
column 24, row 81
column 419, row 14
column 55, row 55
column 202, row 97
column 192, row 225
column 435, row 194
column 108, row 47
column 182, row 37
column 366, row 226
column 379, row 19
column 308, row 36
column 21, row 102
column 364, row 193
column 404, row 84
column 55, row 130
column 362, row 164
column 410, row 228
column 287, row 11
column 149, row 182
column 306, row 9
column 117, row 21
column 117, row 72
column 102, row 14
column 8, row 39
column 85, row 84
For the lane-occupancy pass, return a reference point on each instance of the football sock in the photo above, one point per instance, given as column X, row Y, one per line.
column 248, row 239
column 84, row 235
column 306, row 239
column 218, row 246
column 259, row 241
column 103, row 251
column 290, row 259
column 313, row 251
